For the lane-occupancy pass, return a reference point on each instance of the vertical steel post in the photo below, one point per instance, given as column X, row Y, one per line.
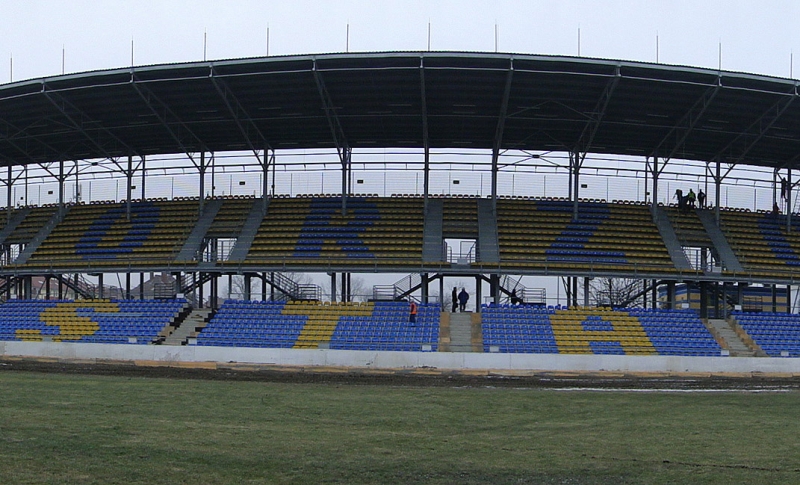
column 789, row 200
column 576, row 167
column 202, row 180
column 495, row 159
column 347, row 153
column 426, row 178
column 61, row 185
column 717, row 187
column 9, row 183
column 128, row 179
column 655, row 186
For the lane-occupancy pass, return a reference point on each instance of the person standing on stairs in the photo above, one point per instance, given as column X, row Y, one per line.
column 463, row 298
column 701, row 199
column 455, row 300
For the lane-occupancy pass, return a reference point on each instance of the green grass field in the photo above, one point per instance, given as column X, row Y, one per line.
column 60, row 428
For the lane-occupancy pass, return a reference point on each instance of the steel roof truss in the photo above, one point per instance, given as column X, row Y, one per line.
column 687, row 123
column 239, row 114
column 337, row 132
column 61, row 104
column 25, row 152
column 156, row 106
column 759, row 128
column 424, row 104
column 596, row 119
column 501, row 120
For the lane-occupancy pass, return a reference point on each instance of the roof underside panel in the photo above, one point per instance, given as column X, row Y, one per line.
column 376, row 100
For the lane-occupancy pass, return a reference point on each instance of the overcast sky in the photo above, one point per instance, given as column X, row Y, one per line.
column 756, row 36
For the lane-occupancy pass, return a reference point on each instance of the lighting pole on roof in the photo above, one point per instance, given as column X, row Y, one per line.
column 429, row 35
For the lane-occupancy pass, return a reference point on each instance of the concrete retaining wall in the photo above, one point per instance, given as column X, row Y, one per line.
column 450, row 361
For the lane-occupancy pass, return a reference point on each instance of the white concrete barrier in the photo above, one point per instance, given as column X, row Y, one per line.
column 450, row 361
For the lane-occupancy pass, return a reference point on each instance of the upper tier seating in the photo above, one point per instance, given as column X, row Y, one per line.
column 532, row 329
column 688, row 228
column 102, row 234
column 313, row 231
column 230, row 218
column 98, row 321
column 353, row 326
column 773, row 332
column 761, row 242
column 605, row 236
column 31, row 225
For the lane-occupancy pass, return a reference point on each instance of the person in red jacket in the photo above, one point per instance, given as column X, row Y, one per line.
column 412, row 315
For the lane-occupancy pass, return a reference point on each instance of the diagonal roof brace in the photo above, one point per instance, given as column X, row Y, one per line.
column 337, row 132
column 157, row 106
column 501, row 120
column 684, row 127
column 71, row 112
column 586, row 139
column 757, row 129
column 240, row 116
column 424, row 103
column 24, row 151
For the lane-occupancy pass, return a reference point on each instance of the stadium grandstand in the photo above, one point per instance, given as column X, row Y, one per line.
column 136, row 199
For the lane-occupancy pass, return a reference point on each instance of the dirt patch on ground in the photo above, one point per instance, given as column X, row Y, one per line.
column 419, row 377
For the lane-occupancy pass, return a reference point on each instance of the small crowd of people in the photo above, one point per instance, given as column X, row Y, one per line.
column 459, row 299
column 690, row 200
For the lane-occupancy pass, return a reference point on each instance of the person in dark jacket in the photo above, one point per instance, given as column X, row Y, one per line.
column 455, row 300
column 463, row 298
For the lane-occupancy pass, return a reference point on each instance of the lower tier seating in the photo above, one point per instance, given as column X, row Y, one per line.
column 529, row 329
column 351, row 326
column 778, row 334
column 98, row 321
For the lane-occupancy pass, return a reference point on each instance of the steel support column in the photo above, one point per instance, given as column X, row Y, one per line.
column 9, row 184
column 427, row 151
column 576, row 168
column 202, row 171
column 347, row 154
column 478, row 293
column 717, row 187
column 61, row 185
column 586, row 291
column 655, row 174
column 789, row 200
column 128, row 189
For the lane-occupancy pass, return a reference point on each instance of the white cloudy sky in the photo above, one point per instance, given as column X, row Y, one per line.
column 756, row 36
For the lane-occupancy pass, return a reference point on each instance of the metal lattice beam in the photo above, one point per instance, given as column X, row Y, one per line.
column 756, row 131
column 162, row 112
column 590, row 130
column 501, row 120
column 684, row 127
column 77, row 119
column 339, row 138
column 240, row 116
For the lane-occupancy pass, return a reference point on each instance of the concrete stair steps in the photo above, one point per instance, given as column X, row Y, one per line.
column 461, row 332
column 733, row 342
column 193, row 323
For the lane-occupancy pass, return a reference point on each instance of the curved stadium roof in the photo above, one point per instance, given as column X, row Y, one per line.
column 404, row 99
